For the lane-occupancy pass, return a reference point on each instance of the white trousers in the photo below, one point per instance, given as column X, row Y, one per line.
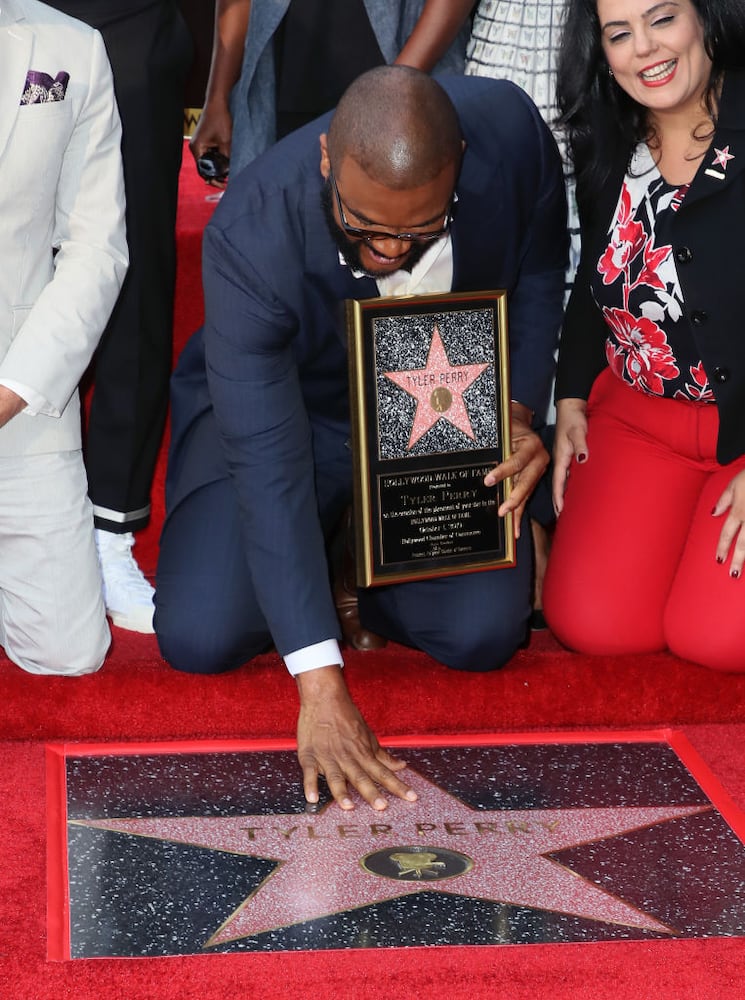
column 52, row 615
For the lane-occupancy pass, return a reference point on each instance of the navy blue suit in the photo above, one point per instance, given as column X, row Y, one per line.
column 260, row 466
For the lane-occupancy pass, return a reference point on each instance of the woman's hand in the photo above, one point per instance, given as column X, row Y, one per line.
column 732, row 535
column 570, row 442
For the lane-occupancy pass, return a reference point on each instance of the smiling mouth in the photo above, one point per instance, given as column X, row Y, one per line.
column 658, row 73
column 383, row 259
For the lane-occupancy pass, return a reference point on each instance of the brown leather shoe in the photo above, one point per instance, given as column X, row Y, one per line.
column 345, row 598
column 353, row 634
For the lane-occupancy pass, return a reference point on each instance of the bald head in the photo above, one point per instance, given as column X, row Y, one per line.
column 399, row 125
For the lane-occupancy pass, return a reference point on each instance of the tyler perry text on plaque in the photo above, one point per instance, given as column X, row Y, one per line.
column 430, row 401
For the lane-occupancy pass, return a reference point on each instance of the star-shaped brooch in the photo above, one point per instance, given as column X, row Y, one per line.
column 722, row 157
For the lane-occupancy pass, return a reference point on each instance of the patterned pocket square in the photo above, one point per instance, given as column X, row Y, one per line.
column 40, row 87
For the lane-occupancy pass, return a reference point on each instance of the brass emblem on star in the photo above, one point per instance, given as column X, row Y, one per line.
column 441, row 400
column 417, row 864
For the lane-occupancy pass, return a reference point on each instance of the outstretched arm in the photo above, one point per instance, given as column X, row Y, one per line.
column 266, row 439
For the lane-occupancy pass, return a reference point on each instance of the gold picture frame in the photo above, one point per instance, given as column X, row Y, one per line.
column 430, row 409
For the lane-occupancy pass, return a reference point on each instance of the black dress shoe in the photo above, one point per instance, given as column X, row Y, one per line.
column 538, row 621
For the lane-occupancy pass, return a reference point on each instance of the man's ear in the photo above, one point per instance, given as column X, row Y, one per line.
column 325, row 161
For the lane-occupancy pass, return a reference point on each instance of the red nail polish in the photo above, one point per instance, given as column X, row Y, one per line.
column 581, row 457
column 720, row 560
column 735, row 573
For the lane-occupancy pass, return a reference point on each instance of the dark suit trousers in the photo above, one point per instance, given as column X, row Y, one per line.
column 208, row 618
column 150, row 54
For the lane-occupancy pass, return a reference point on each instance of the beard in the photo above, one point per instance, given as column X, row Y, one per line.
column 350, row 248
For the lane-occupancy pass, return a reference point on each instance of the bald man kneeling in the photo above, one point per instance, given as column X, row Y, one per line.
column 423, row 187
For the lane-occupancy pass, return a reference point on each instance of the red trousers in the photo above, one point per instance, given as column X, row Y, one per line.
column 632, row 567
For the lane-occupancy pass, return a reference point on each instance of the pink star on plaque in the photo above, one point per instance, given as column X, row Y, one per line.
column 334, row 861
column 438, row 389
column 722, row 157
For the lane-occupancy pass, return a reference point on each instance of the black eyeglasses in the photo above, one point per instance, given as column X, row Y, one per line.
column 375, row 234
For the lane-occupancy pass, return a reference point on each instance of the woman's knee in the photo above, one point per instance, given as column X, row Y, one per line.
column 593, row 609
column 718, row 647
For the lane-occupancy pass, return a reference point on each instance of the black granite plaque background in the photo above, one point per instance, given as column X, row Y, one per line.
column 137, row 895
column 403, row 342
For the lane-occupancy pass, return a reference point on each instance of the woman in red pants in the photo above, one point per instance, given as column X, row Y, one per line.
column 649, row 478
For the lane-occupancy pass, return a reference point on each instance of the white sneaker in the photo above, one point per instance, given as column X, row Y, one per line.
column 127, row 594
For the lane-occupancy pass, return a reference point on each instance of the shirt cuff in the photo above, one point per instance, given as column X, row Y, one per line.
column 35, row 402
column 320, row 654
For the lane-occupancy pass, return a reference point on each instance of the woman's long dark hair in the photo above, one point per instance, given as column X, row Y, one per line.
column 600, row 120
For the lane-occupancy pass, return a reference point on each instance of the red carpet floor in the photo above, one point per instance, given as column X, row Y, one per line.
column 711, row 969
column 136, row 696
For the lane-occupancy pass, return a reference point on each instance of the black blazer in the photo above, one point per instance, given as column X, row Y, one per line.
column 709, row 247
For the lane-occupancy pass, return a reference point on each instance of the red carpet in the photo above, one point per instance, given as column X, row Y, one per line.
column 136, row 696
column 670, row 970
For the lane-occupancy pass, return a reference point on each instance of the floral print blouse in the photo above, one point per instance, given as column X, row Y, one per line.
column 650, row 345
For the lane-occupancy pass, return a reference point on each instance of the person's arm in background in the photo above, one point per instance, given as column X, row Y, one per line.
column 215, row 128
column 434, row 32
column 437, row 27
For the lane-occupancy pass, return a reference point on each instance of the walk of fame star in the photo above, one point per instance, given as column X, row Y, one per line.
column 332, row 861
column 438, row 389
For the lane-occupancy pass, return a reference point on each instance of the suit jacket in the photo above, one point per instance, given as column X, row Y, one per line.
column 260, row 393
column 707, row 244
column 252, row 101
column 62, row 238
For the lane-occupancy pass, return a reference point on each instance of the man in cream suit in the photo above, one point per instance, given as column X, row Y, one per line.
column 63, row 256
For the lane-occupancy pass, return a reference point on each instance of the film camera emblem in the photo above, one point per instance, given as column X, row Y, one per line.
column 417, row 864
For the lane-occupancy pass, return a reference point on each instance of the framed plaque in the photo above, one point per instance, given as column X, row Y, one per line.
column 430, row 400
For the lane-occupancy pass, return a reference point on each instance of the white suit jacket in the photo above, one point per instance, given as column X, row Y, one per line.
column 63, row 251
